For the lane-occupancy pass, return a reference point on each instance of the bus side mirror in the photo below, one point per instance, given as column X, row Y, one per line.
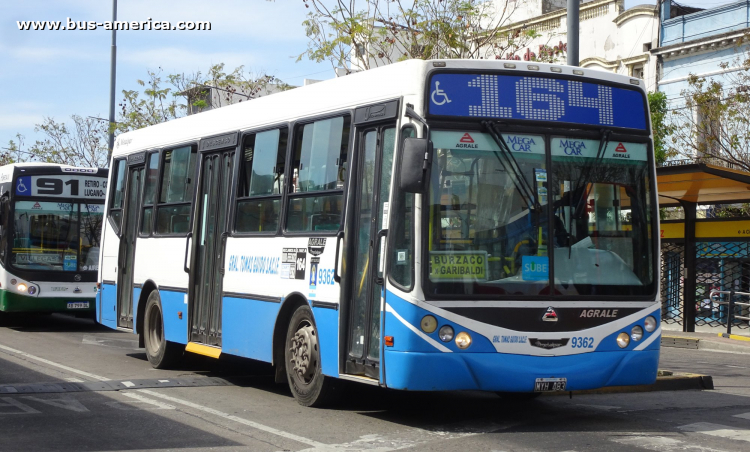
column 415, row 165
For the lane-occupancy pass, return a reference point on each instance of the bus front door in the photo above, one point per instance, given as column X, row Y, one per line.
column 374, row 163
column 210, row 236
column 126, row 256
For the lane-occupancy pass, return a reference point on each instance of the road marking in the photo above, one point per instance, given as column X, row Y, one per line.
column 128, row 384
column 52, row 363
column 743, row 415
column 721, row 431
column 74, row 380
column 662, row 444
column 237, row 419
column 736, row 367
column 9, row 402
column 67, row 403
column 140, row 398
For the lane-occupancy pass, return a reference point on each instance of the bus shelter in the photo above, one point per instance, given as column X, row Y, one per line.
column 702, row 254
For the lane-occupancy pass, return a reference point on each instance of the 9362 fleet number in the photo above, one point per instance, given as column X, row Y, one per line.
column 582, row 342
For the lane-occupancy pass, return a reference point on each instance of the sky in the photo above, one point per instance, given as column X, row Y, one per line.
column 60, row 73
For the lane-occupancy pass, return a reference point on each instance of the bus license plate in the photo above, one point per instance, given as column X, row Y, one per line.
column 79, row 305
column 550, row 384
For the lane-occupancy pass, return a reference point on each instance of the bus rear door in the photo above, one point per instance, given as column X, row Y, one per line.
column 209, row 236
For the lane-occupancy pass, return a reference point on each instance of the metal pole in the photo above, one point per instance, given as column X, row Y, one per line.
column 731, row 311
column 112, row 77
column 573, row 22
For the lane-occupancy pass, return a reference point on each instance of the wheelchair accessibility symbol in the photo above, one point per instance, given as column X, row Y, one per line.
column 438, row 94
column 20, row 187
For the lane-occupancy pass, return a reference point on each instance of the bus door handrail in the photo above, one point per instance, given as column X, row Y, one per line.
column 377, row 256
column 730, row 305
column 187, row 246
column 336, row 276
column 222, row 250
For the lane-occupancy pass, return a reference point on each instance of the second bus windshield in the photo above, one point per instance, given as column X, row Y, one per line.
column 56, row 236
column 490, row 212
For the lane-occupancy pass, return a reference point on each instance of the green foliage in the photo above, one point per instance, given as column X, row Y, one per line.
column 85, row 142
column 662, row 130
column 365, row 34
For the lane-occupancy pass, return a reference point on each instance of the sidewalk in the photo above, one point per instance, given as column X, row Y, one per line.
column 705, row 340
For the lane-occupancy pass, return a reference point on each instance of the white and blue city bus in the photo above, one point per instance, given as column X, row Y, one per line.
column 428, row 225
column 50, row 225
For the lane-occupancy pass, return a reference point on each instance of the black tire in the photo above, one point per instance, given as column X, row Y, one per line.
column 161, row 353
column 302, row 357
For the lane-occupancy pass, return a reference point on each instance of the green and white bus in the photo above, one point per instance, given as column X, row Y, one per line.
column 50, row 231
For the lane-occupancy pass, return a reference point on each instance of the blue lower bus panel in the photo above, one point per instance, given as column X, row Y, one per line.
column 421, row 362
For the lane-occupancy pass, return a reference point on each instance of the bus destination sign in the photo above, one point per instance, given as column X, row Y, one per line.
column 62, row 186
column 534, row 98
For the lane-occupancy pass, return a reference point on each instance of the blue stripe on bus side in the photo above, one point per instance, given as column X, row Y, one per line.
column 247, row 328
column 108, row 305
column 327, row 322
column 172, row 303
column 136, row 298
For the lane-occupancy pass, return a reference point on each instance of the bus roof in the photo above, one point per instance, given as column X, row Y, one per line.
column 328, row 96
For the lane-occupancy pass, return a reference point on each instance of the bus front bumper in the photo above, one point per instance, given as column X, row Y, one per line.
column 517, row 373
column 12, row 302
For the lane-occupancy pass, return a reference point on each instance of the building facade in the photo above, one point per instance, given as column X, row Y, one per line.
column 611, row 38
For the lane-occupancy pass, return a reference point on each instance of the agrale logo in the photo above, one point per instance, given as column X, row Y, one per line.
column 466, row 142
column 550, row 315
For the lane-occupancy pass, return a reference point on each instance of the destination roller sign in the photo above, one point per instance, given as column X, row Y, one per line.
column 62, row 186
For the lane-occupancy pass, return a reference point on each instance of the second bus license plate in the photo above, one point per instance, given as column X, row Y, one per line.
column 79, row 305
column 550, row 384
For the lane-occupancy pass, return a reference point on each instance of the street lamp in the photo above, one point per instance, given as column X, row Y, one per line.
column 112, row 73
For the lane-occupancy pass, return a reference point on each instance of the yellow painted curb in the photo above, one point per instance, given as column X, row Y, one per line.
column 735, row 337
column 201, row 349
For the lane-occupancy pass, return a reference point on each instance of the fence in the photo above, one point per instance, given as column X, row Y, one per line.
column 720, row 267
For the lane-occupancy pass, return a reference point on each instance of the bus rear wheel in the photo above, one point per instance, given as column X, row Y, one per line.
column 302, row 355
column 161, row 353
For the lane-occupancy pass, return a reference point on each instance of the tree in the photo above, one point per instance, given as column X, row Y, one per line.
column 661, row 129
column 713, row 126
column 85, row 144
column 365, row 34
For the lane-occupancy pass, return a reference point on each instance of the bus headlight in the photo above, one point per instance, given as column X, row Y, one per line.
column 623, row 340
column 32, row 290
column 21, row 287
column 428, row 324
column 446, row 333
column 636, row 333
column 650, row 324
column 463, row 340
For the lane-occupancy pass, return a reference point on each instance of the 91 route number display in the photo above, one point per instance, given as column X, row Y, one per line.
column 62, row 186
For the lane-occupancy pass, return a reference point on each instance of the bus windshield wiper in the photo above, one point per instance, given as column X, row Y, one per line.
column 511, row 165
column 583, row 179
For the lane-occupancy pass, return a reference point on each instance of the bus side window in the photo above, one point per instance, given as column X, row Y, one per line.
column 176, row 194
column 319, row 168
column 261, row 181
column 118, row 194
column 149, row 193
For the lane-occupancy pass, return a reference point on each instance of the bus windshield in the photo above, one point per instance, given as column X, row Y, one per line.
column 56, row 236
column 492, row 202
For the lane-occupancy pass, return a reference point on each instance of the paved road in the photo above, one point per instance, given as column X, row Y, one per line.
column 75, row 356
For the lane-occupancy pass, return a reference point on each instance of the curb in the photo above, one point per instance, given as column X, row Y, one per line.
column 742, row 344
column 680, row 382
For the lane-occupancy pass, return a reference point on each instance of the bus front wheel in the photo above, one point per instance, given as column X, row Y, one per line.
column 161, row 353
column 302, row 355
